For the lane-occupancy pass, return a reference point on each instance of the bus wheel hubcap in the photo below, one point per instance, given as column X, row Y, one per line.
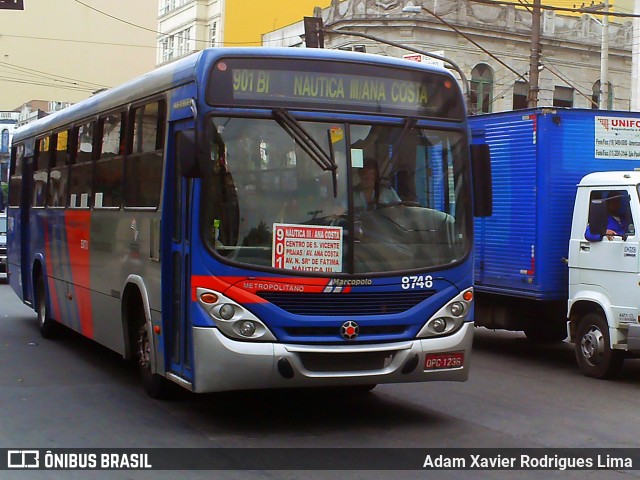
column 143, row 348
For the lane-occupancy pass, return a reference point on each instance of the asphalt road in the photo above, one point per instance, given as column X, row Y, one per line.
column 72, row 393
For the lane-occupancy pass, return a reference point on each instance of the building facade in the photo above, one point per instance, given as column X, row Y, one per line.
column 186, row 26
column 492, row 46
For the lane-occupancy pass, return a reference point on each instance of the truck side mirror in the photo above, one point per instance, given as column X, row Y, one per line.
column 188, row 154
column 598, row 217
column 481, row 174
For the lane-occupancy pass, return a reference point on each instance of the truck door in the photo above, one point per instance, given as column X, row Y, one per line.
column 612, row 265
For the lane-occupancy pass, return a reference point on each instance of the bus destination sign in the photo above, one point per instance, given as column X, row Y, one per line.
column 367, row 88
column 313, row 86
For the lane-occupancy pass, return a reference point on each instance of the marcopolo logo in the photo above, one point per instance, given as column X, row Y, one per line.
column 23, row 459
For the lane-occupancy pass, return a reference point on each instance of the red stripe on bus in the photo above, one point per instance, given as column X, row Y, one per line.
column 244, row 289
column 77, row 225
column 53, row 294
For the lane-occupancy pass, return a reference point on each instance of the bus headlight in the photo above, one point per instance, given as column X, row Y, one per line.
column 231, row 318
column 247, row 328
column 456, row 309
column 439, row 325
column 227, row 311
column 450, row 317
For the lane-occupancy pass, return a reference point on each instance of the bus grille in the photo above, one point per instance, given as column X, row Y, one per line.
column 346, row 304
column 365, row 331
column 351, row 362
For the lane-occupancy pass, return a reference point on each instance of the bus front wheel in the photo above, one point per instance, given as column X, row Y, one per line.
column 46, row 324
column 155, row 385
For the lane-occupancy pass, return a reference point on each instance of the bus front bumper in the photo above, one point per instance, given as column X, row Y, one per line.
column 221, row 363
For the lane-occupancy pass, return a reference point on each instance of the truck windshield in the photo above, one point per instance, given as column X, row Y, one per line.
column 363, row 198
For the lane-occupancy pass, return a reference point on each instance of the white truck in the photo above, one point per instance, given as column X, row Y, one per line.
column 523, row 281
column 604, row 276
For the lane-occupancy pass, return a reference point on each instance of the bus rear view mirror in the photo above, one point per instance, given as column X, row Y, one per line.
column 187, row 154
column 481, row 174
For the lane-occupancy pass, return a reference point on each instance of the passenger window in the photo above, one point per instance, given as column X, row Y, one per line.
column 15, row 177
column 109, row 167
column 143, row 168
column 81, row 175
column 41, row 172
column 58, row 177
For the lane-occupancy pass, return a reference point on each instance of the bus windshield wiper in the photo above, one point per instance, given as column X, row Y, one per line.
column 408, row 125
column 326, row 161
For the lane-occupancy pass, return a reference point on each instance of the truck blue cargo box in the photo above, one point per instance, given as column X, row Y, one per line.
column 538, row 156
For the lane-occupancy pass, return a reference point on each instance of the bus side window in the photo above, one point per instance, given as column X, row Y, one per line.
column 143, row 167
column 15, row 177
column 109, row 166
column 41, row 171
column 58, row 177
column 82, row 167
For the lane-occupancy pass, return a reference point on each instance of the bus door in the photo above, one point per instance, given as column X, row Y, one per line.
column 179, row 347
column 19, row 250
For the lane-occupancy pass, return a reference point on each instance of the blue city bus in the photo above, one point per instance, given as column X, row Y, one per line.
column 256, row 218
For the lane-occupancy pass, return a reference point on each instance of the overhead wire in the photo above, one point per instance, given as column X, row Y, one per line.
column 162, row 34
column 521, row 3
column 560, row 9
column 49, row 76
column 527, row 6
column 118, row 18
column 72, row 40
column 44, row 84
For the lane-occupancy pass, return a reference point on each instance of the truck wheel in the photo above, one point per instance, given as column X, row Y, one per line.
column 46, row 324
column 155, row 385
column 593, row 349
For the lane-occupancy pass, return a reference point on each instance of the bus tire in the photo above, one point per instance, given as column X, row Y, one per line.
column 593, row 349
column 46, row 324
column 155, row 385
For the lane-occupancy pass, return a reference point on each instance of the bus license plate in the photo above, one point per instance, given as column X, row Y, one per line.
column 438, row 361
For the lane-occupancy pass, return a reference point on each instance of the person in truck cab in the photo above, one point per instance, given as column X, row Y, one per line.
column 617, row 221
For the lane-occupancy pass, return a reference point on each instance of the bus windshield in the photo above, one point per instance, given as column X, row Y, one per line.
column 364, row 198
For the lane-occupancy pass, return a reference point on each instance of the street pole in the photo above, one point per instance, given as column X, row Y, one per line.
column 635, row 66
column 603, row 102
column 534, row 61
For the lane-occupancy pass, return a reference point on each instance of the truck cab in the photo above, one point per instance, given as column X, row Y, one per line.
column 604, row 272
